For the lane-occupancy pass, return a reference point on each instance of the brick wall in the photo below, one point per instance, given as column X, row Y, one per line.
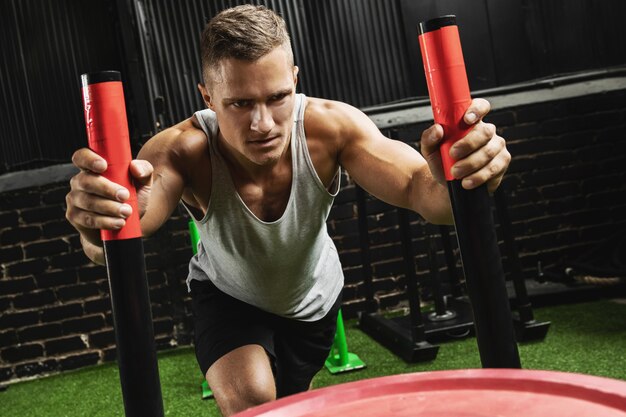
column 565, row 189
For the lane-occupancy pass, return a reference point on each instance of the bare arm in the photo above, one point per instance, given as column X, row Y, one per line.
column 399, row 175
column 167, row 155
column 391, row 170
column 95, row 203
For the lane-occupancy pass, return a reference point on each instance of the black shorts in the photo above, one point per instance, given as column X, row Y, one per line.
column 297, row 349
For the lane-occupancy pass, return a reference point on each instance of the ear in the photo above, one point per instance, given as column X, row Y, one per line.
column 295, row 74
column 206, row 97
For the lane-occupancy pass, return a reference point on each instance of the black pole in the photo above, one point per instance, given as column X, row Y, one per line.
column 441, row 312
column 450, row 97
column 524, row 306
column 134, row 334
column 456, row 287
column 107, row 132
column 484, row 276
column 364, row 244
column 418, row 331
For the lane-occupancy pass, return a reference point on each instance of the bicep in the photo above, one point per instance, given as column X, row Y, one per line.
column 386, row 168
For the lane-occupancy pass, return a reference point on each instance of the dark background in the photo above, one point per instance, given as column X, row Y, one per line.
column 364, row 52
column 565, row 186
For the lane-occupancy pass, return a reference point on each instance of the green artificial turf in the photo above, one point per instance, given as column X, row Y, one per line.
column 587, row 338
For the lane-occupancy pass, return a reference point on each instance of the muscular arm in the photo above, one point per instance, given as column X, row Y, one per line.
column 168, row 179
column 389, row 169
column 161, row 173
column 396, row 173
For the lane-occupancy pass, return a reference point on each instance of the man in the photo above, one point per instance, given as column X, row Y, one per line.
column 258, row 171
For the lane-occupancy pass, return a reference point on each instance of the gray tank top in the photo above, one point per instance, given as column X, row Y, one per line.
column 289, row 267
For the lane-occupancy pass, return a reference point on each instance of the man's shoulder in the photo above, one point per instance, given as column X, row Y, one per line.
column 322, row 108
column 185, row 139
column 186, row 133
column 324, row 118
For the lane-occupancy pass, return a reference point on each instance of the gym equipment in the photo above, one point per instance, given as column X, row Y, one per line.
column 339, row 359
column 194, row 234
column 107, row 133
column 467, row 393
column 450, row 98
column 411, row 336
column 482, row 266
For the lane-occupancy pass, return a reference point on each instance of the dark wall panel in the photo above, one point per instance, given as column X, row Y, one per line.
column 46, row 45
column 364, row 52
column 573, row 35
column 349, row 50
column 511, row 49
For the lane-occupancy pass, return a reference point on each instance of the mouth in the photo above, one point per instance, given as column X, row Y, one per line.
column 263, row 142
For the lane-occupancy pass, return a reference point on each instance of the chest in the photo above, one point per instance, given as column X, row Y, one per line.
column 267, row 199
column 265, row 196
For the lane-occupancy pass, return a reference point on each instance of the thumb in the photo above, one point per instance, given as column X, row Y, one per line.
column 429, row 144
column 430, row 141
column 141, row 171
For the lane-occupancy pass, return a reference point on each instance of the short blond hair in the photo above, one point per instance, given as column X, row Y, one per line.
column 244, row 32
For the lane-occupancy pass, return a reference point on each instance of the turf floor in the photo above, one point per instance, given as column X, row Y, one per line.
column 588, row 338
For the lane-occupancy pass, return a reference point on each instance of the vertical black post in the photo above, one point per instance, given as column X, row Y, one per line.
column 366, row 259
column 418, row 331
column 527, row 328
column 523, row 302
column 134, row 334
column 107, row 132
column 456, row 287
column 484, row 276
column 450, row 97
column 441, row 312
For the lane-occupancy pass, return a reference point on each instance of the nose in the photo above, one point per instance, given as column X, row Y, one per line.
column 262, row 120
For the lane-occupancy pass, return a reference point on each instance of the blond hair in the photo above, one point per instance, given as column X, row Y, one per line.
column 244, row 32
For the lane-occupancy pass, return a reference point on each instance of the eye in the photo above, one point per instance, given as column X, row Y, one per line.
column 278, row 97
column 241, row 104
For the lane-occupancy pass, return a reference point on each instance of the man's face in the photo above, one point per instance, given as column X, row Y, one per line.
column 254, row 103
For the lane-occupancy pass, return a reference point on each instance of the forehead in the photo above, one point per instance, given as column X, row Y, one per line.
column 272, row 71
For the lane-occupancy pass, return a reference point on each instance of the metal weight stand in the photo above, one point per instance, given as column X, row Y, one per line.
column 410, row 336
column 405, row 335
column 452, row 315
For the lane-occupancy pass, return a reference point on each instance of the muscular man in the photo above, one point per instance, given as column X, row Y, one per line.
column 258, row 171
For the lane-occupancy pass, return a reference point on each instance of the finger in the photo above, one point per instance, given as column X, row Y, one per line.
column 431, row 139
column 477, row 110
column 491, row 173
column 85, row 220
column 479, row 158
column 95, row 204
column 86, row 159
column 98, row 185
column 478, row 137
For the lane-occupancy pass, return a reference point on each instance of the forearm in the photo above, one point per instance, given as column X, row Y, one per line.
column 431, row 200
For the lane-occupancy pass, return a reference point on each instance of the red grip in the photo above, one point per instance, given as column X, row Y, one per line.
column 447, row 86
column 107, row 133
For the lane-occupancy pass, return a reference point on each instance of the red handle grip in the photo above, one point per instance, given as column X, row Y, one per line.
column 446, row 78
column 107, row 133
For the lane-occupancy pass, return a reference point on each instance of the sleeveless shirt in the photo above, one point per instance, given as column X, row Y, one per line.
column 289, row 267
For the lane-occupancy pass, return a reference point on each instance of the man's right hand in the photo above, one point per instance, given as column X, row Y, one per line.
column 95, row 203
